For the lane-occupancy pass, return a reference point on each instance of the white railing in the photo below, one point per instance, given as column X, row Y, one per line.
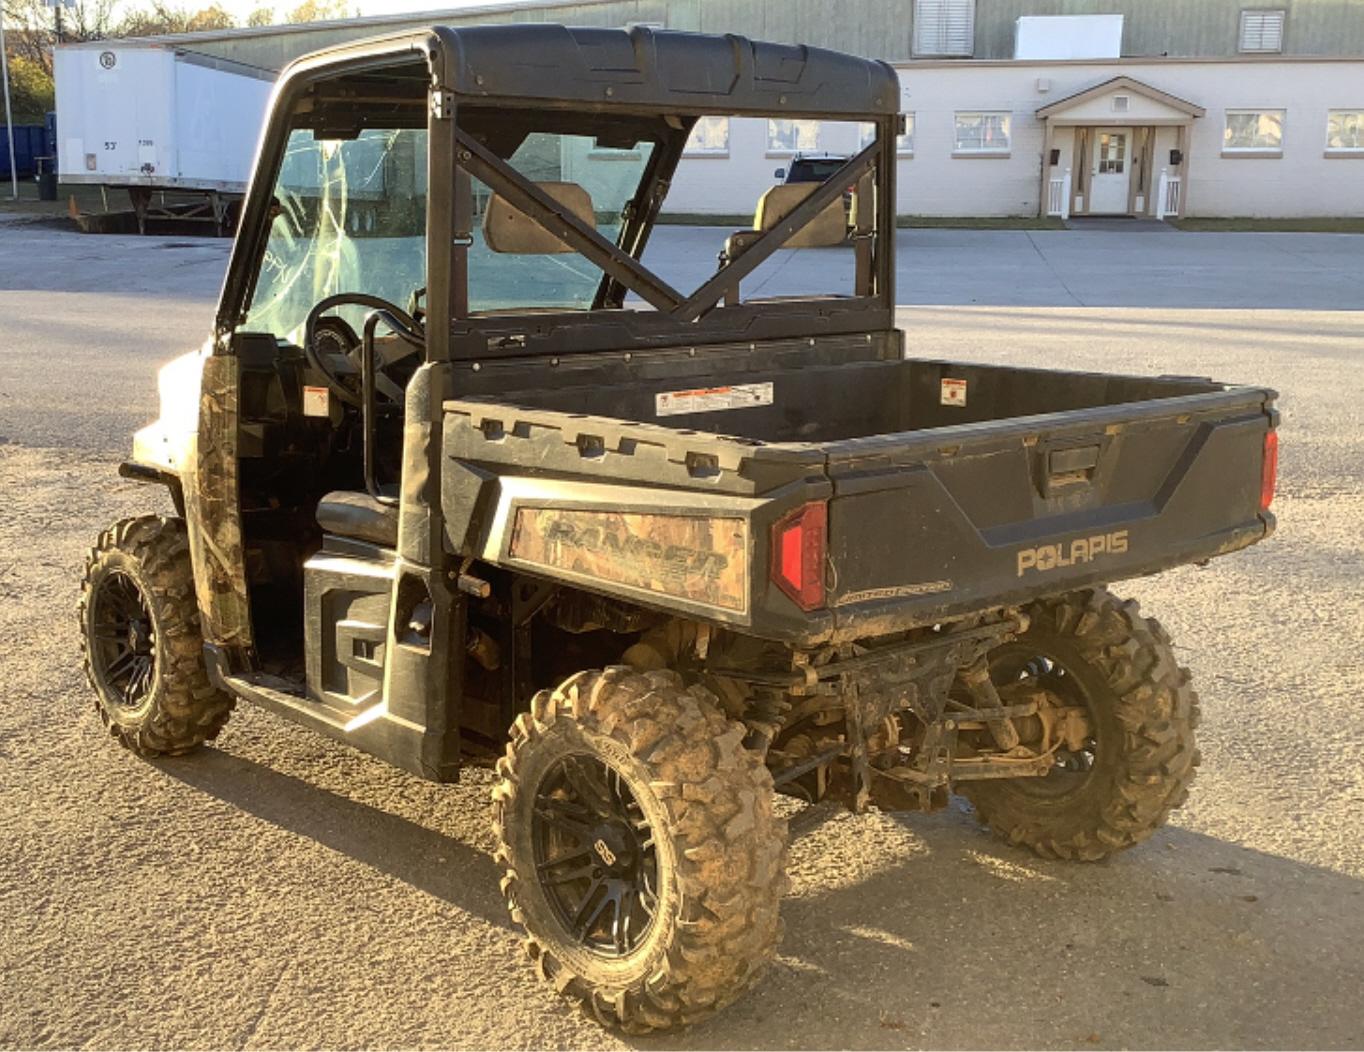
column 1058, row 195
column 1167, row 194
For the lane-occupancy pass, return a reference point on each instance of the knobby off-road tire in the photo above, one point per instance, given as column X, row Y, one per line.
column 1143, row 712
column 718, row 849
column 140, row 567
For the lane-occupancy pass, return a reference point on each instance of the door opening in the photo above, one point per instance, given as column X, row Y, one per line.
column 1110, row 172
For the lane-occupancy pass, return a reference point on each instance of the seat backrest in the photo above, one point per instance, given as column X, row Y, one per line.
column 830, row 227
column 508, row 229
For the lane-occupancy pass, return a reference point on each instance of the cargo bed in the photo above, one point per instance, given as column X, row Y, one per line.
column 950, row 487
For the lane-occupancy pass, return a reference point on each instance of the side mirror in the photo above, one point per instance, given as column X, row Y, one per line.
column 780, row 173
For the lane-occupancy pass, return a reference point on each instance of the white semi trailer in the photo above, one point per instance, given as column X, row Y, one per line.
column 175, row 128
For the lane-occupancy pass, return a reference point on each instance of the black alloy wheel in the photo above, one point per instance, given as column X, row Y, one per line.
column 122, row 640
column 595, row 855
column 141, row 647
column 642, row 855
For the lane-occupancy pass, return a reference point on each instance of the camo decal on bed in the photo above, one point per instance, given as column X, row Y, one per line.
column 700, row 559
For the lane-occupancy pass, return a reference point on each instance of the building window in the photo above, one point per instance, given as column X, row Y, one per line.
column 904, row 143
column 982, row 133
column 1253, row 131
column 1261, row 31
column 709, row 138
column 1345, row 131
column 785, row 136
column 945, row 28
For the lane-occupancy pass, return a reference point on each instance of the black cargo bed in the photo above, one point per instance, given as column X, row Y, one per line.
column 951, row 487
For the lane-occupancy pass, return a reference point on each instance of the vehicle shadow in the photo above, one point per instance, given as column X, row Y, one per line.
column 925, row 931
column 421, row 857
column 958, row 940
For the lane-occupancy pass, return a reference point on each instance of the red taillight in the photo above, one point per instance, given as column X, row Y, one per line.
column 1270, row 471
column 798, row 547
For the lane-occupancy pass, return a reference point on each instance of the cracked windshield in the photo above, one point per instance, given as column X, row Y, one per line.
column 351, row 218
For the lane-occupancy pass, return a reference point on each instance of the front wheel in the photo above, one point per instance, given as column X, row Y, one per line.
column 642, row 854
column 143, row 654
column 1092, row 652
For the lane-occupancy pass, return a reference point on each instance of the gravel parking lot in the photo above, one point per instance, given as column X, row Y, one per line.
column 278, row 889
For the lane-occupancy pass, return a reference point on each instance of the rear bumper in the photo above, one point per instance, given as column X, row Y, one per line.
column 885, row 615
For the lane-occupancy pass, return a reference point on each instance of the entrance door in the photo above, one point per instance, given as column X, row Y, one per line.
column 1110, row 171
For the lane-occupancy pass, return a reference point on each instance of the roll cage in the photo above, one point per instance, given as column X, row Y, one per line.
column 478, row 96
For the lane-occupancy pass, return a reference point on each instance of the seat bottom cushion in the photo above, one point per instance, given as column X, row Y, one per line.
column 348, row 513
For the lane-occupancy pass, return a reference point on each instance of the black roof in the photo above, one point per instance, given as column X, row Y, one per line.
column 641, row 68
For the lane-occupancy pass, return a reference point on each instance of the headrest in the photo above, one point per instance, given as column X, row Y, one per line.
column 508, row 229
column 830, row 227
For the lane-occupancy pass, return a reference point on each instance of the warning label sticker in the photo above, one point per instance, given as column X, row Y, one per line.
column 953, row 392
column 713, row 399
column 316, row 401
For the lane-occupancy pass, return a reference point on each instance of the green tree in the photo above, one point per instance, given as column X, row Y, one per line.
column 31, row 90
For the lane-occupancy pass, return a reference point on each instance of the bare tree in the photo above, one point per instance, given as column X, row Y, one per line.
column 30, row 27
column 319, row 10
column 163, row 18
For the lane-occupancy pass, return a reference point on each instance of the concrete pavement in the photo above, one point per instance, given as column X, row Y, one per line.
column 280, row 890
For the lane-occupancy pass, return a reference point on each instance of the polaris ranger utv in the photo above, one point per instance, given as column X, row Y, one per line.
column 459, row 474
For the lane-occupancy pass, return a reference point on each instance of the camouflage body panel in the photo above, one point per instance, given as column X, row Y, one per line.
column 674, row 549
column 212, row 511
column 702, row 560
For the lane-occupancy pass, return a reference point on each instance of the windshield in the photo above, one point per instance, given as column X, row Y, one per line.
column 602, row 179
column 350, row 217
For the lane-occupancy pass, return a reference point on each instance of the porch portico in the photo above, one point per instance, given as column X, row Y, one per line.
column 1120, row 147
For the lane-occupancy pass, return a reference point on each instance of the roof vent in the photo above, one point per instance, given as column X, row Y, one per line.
column 1121, row 103
column 1261, row 31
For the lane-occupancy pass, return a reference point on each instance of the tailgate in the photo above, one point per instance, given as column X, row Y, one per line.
column 927, row 524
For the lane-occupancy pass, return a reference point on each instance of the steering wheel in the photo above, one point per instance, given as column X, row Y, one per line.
column 324, row 337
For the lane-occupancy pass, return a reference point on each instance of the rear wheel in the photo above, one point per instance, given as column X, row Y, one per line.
column 642, row 855
column 143, row 655
column 1116, row 783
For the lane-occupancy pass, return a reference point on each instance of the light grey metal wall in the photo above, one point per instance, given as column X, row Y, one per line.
column 877, row 28
column 273, row 49
column 1185, row 28
column 874, row 28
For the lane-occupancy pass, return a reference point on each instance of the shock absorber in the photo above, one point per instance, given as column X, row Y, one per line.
column 976, row 679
